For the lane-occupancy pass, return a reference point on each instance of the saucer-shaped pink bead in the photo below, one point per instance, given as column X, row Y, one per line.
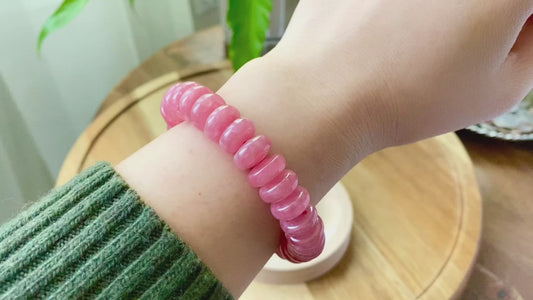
column 309, row 247
column 306, row 253
column 252, row 152
column 302, row 225
column 236, row 134
column 266, row 170
column 280, row 187
column 203, row 107
column 188, row 99
column 281, row 251
column 167, row 108
column 289, row 257
column 170, row 104
column 292, row 206
column 219, row 120
column 310, row 239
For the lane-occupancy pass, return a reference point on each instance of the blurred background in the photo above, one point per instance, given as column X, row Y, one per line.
column 47, row 100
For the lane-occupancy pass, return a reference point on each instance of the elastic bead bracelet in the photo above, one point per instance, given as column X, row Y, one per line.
column 303, row 231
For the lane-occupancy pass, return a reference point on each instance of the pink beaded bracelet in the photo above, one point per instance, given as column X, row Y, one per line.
column 303, row 237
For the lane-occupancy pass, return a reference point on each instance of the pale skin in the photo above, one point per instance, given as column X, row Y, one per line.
column 366, row 75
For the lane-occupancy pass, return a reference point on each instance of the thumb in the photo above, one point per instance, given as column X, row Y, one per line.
column 518, row 67
column 524, row 40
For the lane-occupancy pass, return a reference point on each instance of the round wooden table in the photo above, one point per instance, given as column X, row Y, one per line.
column 422, row 246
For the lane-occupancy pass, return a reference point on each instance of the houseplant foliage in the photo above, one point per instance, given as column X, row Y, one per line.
column 248, row 20
column 68, row 10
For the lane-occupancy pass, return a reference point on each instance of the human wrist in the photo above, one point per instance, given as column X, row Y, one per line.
column 212, row 207
column 315, row 130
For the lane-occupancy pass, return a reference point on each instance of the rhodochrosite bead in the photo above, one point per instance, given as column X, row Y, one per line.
column 309, row 239
column 292, row 206
column 280, row 187
column 252, row 152
column 281, row 251
column 169, row 110
column 203, row 107
column 303, row 235
column 170, row 104
column 219, row 120
column 302, row 225
column 266, row 170
column 188, row 99
column 306, row 254
column 238, row 132
column 310, row 246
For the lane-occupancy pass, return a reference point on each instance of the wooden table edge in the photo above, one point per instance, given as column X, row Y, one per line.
column 80, row 149
column 470, row 228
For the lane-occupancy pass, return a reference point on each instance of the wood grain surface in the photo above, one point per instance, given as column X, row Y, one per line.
column 504, row 270
column 417, row 208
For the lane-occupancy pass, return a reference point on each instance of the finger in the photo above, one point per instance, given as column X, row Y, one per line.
column 522, row 11
column 524, row 39
column 519, row 63
column 519, row 9
column 500, row 21
column 518, row 67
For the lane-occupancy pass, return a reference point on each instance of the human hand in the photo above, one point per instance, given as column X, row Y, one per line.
column 417, row 68
column 373, row 73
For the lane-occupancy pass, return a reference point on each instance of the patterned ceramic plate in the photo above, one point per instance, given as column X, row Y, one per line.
column 516, row 125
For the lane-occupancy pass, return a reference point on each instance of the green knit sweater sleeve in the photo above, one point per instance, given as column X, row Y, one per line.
column 93, row 238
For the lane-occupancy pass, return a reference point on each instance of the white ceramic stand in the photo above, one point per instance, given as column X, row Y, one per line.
column 337, row 213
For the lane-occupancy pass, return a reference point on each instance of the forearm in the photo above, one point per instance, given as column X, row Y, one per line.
column 93, row 238
column 195, row 188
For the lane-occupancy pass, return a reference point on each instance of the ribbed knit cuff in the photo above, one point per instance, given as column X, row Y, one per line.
column 93, row 238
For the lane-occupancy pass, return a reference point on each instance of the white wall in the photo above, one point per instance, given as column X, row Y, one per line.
column 155, row 24
column 31, row 83
column 52, row 99
column 23, row 174
column 59, row 93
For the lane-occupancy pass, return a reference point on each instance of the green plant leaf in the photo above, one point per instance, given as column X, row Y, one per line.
column 68, row 10
column 132, row 3
column 249, row 21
